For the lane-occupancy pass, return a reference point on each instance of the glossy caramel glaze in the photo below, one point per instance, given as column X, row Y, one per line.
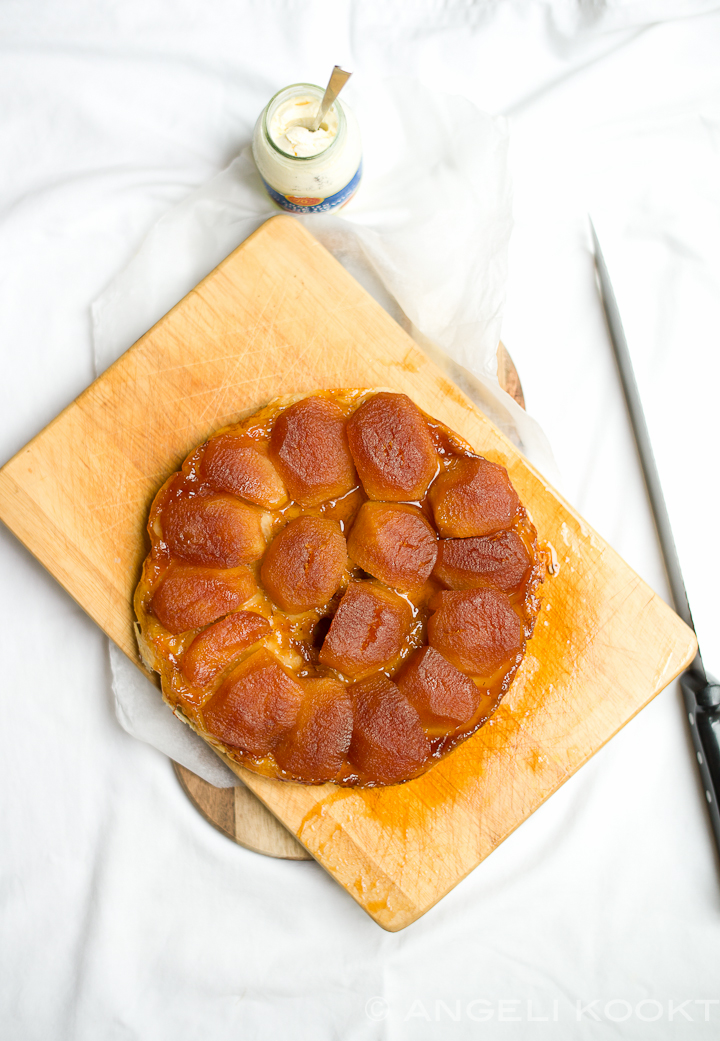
column 338, row 589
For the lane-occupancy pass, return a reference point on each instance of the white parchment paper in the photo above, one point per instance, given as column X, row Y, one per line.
column 427, row 236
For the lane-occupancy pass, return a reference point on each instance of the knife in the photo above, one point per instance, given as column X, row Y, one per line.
column 701, row 692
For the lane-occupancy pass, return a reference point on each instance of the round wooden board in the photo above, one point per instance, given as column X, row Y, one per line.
column 239, row 814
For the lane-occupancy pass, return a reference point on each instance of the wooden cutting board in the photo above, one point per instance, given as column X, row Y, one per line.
column 281, row 316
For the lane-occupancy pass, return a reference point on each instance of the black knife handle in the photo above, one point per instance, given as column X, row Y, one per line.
column 702, row 703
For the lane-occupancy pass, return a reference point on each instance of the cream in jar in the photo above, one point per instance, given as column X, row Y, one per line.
column 307, row 171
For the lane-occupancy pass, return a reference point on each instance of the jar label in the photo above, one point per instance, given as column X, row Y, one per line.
column 307, row 204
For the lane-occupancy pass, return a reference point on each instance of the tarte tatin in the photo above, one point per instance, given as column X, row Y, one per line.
column 338, row 589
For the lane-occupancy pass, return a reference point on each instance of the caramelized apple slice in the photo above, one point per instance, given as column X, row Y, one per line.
column 368, row 630
column 394, row 543
column 191, row 597
column 439, row 691
column 473, row 497
column 392, row 448
column 217, row 531
column 214, row 648
column 305, row 564
column 388, row 742
column 497, row 562
column 232, row 464
column 255, row 705
column 309, row 447
column 476, row 629
column 316, row 746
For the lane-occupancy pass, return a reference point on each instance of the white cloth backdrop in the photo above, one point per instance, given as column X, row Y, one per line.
column 123, row 914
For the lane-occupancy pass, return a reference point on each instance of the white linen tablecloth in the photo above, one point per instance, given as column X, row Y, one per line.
column 123, row 914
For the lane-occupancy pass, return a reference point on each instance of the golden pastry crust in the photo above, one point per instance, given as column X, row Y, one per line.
column 338, row 589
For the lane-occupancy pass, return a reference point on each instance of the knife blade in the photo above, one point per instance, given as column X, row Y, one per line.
column 701, row 692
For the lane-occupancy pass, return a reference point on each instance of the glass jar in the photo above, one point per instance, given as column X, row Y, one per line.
column 309, row 183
